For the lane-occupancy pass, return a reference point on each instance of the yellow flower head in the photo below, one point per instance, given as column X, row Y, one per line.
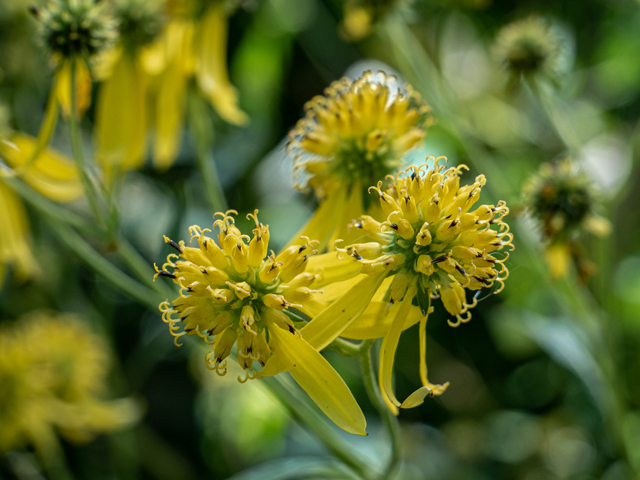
column 563, row 199
column 230, row 292
column 433, row 244
column 53, row 372
column 235, row 292
column 357, row 132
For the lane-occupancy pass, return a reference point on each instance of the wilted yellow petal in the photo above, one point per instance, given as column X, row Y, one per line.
column 416, row 398
column 121, row 125
column 330, row 323
column 321, row 226
column 211, row 65
column 62, row 87
column 319, row 379
column 388, row 351
column 50, row 173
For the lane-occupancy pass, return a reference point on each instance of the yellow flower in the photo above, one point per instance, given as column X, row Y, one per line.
column 355, row 134
column 193, row 44
column 230, row 294
column 428, row 244
column 121, row 113
column 563, row 199
column 53, row 372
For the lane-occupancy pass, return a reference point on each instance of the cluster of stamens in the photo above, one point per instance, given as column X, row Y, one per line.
column 233, row 292
column 358, row 131
column 432, row 235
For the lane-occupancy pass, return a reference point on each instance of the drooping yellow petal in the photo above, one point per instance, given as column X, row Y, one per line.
column 332, row 321
column 62, row 87
column 14, row 239
column 121, row 118
column 417, row 397
column 319, row 379
column 211, row 65
column 50, row 173
column 322, row 225
column 373, row 323
column 388, row 351
column 169, row 118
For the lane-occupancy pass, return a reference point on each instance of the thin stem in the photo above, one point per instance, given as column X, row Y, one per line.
column 305, row 413
column 203, row 131
column 78, row 153
column 104, row 268
column 140, row 267
column 213, row 188
column 390, row 420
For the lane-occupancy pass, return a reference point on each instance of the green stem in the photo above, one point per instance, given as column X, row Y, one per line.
column 202, row 128
column 214, row 191
column 140, row 267
column 305, row 413
column 390, row 420
column 78, row 153
column 104, row 268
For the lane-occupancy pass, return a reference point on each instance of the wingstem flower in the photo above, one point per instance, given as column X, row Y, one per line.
column 234, row 293
column 358, row 132
column 427, row 244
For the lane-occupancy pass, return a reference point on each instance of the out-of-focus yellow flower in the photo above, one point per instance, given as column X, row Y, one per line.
column 361, row 15
column 232, row 293
column 74, row 32
column 428, row 244
column 194, row 45
column 355, row 134
column 53, row 373
column 563, row 199
column 121, row 115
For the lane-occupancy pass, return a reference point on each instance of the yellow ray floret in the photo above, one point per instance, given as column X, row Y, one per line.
column 429, row 243
column 233, row 292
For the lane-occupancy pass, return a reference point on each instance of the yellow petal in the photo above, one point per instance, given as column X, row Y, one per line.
column 322, row 225
column 331, row 269
column 373, row 323
column 170, row 108
column 330, row 323
column 319, row 379
column 211, row 66
column 62, row 87
column 558, row 259
column 50, row 173
column 352, row 210
column 416, row 398
column 14, row 241
column 121, row 118
column 388, row 351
